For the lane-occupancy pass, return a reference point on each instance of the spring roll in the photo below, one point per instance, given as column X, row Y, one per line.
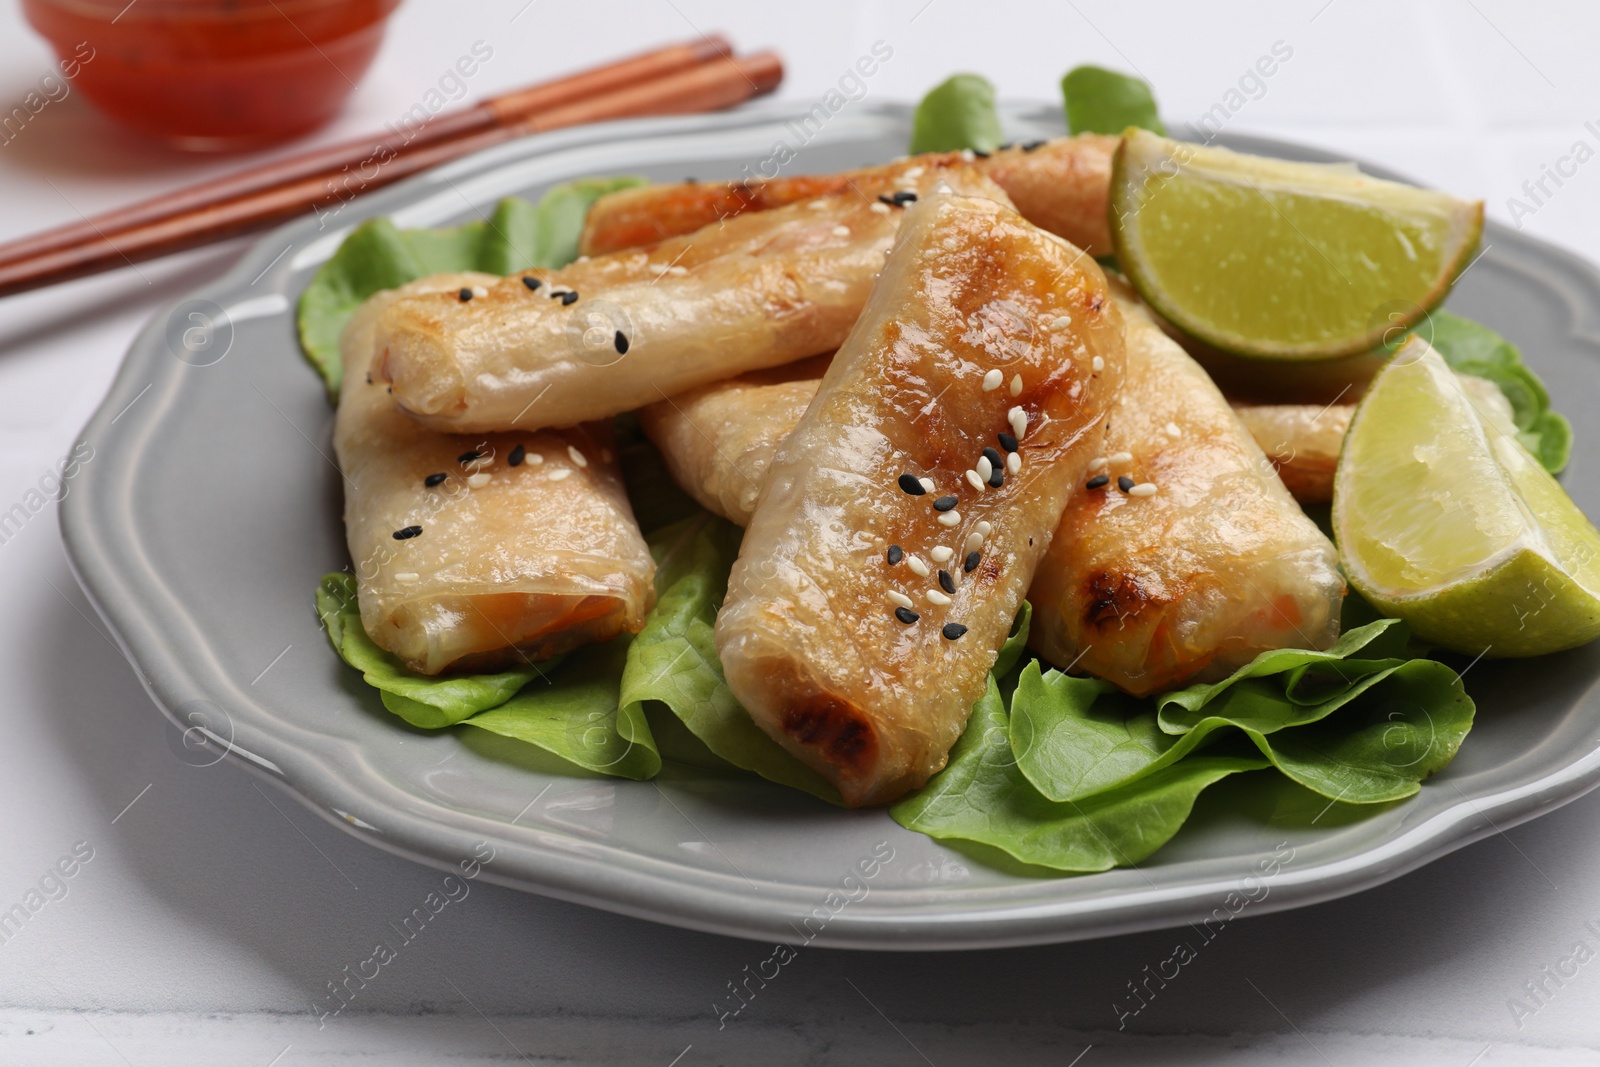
column 613, row 333
column 1062, row 185
column 904, row 517
column 1303, row 440
column 719, row 440
column 1182, row 555
column 479, row 552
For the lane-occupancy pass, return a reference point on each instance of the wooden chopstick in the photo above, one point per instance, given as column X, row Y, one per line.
column 683, row 79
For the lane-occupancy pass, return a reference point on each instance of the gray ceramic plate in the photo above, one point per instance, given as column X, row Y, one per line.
column 212, row 507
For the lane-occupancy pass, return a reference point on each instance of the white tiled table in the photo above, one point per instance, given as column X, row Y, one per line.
column 214, row 911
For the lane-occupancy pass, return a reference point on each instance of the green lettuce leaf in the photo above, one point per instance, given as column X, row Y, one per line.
column 674, row 660
column 575, row 713
column 422, row 700
column 957, row 113
column 377, row 256
column 1472, row 348
column 566, row 706
column 1104, row 101
column 982, row 796
column 1398, row 721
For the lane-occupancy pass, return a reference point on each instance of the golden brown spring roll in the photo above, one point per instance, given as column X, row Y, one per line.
column 1182, row 556
column 613, row 333
column 485, row 551
column 719, row 440
column 1062, row 185
column 904, row 517
column 1303, row 440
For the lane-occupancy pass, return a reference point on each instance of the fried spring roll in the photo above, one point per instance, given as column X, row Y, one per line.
column 1188, row 557
column 719, row 440
column 865, row 608
column 1303, row 440
column 613, row 333
column 486, row 551
column 1062, row 185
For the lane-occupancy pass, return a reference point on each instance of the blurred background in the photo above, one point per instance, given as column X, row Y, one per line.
column 213, row 913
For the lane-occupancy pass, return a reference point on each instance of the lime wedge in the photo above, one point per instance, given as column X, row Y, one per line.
column 1278, row 260
column 1443, row 519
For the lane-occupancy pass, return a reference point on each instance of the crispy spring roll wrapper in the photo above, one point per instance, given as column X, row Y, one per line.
column 1187, row 584
column 758, row 291
column 539, row 558
column 719, row 440
column 1062, row 185
column 808, row 636
column 1303, row 440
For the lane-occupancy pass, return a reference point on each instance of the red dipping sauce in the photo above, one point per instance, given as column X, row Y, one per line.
column 214, row 74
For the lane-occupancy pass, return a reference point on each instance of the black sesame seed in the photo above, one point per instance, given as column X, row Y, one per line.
column 970, row 564
column 569, row 298
column 997, row 477
column 468, row 457
column 895, row 554
column 1032, row 145
column 910, row 484
column 953, row 631
column 464, row 295
column 517, row 455
column 944, row 503
column 621, row 341
column 407, row 533
column 1124, row 483
column 1008, row 144
column 1097, row 481
column 904, row 197
column 993, row 457
column 891, row 201
column 980, row 155
column 906, row 615
column 947, row 583
column 1007, row 442
column 532, row 283
column 434, row 479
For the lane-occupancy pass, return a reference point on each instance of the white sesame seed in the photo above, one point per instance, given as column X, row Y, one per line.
column 1099, row 364
column 841, row 231
column 1059, row 323
column 596, row 336
column 1143, row 489
column 1016, row 384
column 406, row 576
column 992, row 380
column 974, row 539
column 898, row 599
column 478, row 481
column 926, row 483
column 882, row 209
column 678, row 271
column 1014, row 462
column 1019, row 422
column 967, row 155
column 983, row 467
column 1097, row 464
column 577, row 457
column 936, row 596
column 479, row 291
column 535, row 458
column 941, row 553
column 950, row 518
column 581, row 259
column 912, row 173
column 818, row 205
column 975, row 481
column 985, row 527
column 560, row 473
column 1121, row 457
column 919, row 568
column 1173, row 430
